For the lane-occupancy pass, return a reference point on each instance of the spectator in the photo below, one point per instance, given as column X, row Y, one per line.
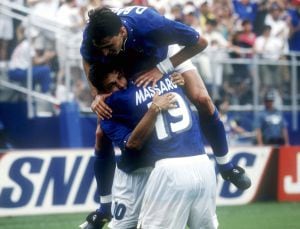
column 236, row 134
column 4, row 142
column 262, row 11
column 241, row 74
column 238, row 90
column 205, row 14
column 190, row 17
column 270, row 48
column 176, row 13
column 70, row 17
column 294, row 36
column 44, row 12
column 20, row 62
column 217, row 45
column 279, row 27
column 247, row 37
column 91, row 4
column 271, row 128
column 162, row 6
column 223, row 14
column 6, row 35
column 245, row 10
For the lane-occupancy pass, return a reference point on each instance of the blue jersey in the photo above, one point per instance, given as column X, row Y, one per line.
column 176, row 133
column 294, row 39
column 149, row 35
column 271, row 124
column 245, row 12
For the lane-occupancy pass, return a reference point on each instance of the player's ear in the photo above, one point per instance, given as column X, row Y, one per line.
column 123, row 31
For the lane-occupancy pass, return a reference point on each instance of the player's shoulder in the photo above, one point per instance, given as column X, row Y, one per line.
column 119, row 96
column 115, row 97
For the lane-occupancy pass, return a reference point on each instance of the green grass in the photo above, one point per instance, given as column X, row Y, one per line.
column 260, row 216
column 253, row 216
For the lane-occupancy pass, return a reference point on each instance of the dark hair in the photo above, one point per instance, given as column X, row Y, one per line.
column 266, row 28
column 269, row 96
column 102, row 23
column 212, row 22
column 99, row 72
column 245, row 22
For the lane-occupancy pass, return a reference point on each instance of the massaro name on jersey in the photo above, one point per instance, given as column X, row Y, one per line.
column 54, row 181
column 162, row 86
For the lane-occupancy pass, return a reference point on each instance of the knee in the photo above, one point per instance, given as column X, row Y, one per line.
column 203, row 103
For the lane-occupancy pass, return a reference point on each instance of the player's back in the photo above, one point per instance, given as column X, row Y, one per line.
column 176, row 133
column 148, row 36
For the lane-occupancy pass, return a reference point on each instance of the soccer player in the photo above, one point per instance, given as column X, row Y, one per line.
column 140, row 36
column 128, row 187
column 183, row 178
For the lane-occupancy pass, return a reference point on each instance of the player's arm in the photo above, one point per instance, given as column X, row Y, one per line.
column 163, row 32
column 130, row 138
column 144, row 128
column 169, row 64
column 188, row 52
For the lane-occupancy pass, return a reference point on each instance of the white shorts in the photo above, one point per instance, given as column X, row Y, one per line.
column 127, row 195
column 180, row 192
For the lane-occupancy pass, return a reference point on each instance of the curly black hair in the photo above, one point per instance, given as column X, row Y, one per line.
column 102, row 23
column 99, row 72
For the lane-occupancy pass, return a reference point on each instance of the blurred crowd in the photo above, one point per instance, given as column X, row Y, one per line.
column 264, row 29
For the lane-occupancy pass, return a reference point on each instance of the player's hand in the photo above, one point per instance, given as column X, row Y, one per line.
column 164, row 102
column 177, row 78
column 100, row 108
column 151, row 76
column 238, row 177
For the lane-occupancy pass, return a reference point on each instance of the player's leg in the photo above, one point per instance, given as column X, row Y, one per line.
column 211, row 125
column 104, row 167
column 213, row 129
column 127, row 195
column 203, row 211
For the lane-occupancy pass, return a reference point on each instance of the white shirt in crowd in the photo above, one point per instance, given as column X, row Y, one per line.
column 21, row 56
column 269, row 47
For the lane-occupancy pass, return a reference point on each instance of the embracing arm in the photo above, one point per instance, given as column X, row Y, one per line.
column 134, row 139
column 188, row 52
column 146, row 125
column 168, row 65
column 98, row 105
column 144, row 128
